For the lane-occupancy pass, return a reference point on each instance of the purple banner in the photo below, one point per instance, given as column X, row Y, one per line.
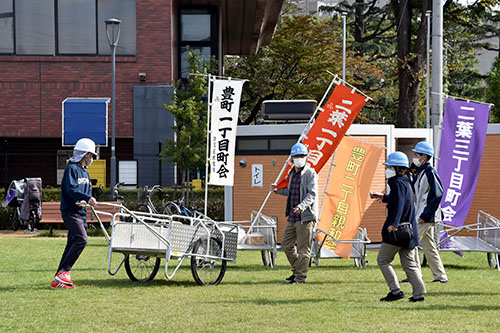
column 460, row 154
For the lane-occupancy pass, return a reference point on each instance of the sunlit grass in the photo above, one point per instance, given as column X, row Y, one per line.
column 251, row 297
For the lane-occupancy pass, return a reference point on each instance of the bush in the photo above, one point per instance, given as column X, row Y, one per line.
column 215, row 208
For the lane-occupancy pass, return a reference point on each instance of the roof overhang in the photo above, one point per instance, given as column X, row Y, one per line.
column 246, row 24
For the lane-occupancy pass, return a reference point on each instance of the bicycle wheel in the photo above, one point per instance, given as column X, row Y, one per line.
column 171, row 208
column 32, row 221
column 14, row 220
column 206, row 271
column 141, row 267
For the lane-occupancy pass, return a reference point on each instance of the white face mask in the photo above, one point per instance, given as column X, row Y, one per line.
column 417, row 162
column 299, row 162
column 89, row 159
column 389, row 173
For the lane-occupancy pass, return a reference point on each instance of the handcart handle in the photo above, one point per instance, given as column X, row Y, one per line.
column 351, row 241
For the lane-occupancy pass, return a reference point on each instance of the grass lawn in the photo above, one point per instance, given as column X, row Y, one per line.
column 251, row 297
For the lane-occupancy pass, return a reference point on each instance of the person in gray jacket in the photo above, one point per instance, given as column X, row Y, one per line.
column 428, row 193
column 302, row 212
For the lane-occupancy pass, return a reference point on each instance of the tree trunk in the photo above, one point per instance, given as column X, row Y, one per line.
column 359, row 27
column 411, row 57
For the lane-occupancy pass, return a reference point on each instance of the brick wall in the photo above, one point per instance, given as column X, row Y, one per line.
column 32, row 88
column 486, row 197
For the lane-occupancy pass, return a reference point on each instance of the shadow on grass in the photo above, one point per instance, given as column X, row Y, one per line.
column 121, row 283
column 466, row 268
column 271, row 301
column 447, row 307
column 462, row 293
column 53, row 270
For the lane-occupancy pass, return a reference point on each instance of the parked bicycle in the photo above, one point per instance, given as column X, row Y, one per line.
column 178, row 208
column 146, row 200
column 25, row 196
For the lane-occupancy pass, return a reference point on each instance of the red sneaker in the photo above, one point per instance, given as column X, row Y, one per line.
column 64, row 277
column 59, row 285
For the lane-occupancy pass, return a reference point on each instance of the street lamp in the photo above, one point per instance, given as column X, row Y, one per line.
column 344, row 15
column 113, row 34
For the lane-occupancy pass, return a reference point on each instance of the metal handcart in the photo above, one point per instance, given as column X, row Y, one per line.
column 144, row 238
column 259, row 234
column 358, row 251
column 487, row 237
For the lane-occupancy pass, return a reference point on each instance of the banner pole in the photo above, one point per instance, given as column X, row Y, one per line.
column 209, row 104
column 327, row 181
column 302, row 135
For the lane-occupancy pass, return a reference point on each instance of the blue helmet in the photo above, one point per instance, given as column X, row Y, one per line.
column 397, row 159
column 424, row 148
column 298, row 149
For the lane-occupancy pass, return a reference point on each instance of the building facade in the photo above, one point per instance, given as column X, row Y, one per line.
column 52, row 50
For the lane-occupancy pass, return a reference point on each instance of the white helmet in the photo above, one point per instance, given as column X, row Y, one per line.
column 86, row 145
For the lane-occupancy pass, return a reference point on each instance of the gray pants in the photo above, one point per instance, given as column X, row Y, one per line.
column 386, row 255
column 298, row 256
column 429, row 246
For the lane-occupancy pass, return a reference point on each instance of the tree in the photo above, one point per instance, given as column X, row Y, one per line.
column 292, row 66
column 493, row 92
column 189, row 109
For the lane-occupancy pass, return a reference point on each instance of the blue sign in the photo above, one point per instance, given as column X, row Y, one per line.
column 85, row 118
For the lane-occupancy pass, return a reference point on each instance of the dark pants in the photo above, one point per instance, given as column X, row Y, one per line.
column 77, row 240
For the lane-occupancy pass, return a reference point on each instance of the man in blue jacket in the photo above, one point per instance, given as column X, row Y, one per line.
column 75, row 188
column 428, row 193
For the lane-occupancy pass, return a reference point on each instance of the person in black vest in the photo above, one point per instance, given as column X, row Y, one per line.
column 400, row 209
column 75, row 188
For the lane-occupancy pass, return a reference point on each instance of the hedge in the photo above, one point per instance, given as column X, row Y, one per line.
column 215, row 208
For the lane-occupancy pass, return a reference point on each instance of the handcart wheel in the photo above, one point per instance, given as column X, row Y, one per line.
column 360, row 262
column 492, row 260
column 267, row 258
column 141, row 267
column 207, row 271
column 171, row 209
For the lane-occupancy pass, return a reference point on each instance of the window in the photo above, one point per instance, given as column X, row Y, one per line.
column 35, row 31
column 198, row 31
column 76, row 26
column 6, row 27
column 65, row 27
column 124, row 10
column 258, row 145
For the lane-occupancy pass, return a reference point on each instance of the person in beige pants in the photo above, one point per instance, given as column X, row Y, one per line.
column 428, row 193
column 302, row 211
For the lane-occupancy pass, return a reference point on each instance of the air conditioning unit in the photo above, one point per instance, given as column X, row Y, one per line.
column 288, row 110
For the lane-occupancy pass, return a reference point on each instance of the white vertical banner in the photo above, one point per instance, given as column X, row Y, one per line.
column 226, row 97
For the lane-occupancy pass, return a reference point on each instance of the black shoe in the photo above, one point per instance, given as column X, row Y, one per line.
column 297, row 282
column 290, row 279
column 391, row 297
column 442, row 281
column 405, row 281
column 417, row 299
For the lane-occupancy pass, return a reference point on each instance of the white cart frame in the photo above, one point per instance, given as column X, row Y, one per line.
column 143, row 236
column 487, row 237
column 358, row 251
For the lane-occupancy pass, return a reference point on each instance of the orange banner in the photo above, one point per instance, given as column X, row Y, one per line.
column 329, row 128
column 345, row 200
